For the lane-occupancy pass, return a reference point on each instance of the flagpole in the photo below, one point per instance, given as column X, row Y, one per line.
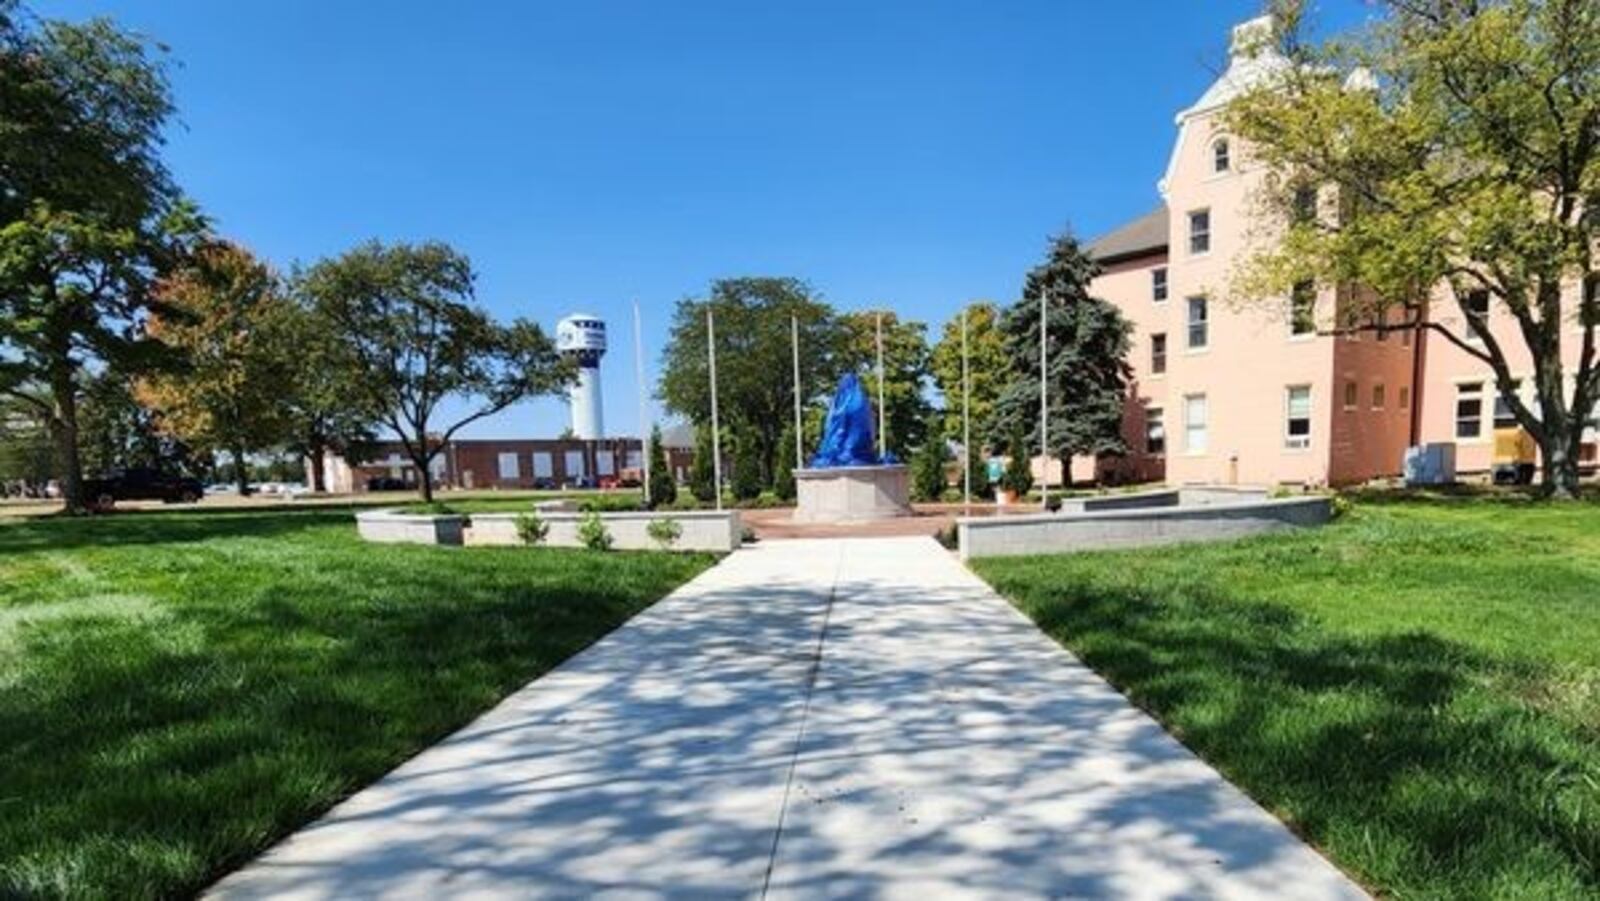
column 794, row 339
column 644, row 426
column 716, row 435
column 1044, row 400
column 966, row 419
column 882, row 436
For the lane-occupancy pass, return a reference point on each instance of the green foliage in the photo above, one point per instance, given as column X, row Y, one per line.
column 1452, row 150
column 664, row 532
column 663, row 488
column 989, row 369
column 1416, row 682
column 905, row 364
column 1088, row 375
column 702, row 471
column 754, row 362
column 212, row 607
column 531, row 528
column 592, row 532
column 89, row 216
column 1018, row 476
column 928, row 478
column 977, row 463
column 220, row 311
column 404, row 314
column 745, row 481
column 783, row 480
column 623, row 502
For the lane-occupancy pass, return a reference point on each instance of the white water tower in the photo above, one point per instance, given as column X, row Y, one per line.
column 582, row 338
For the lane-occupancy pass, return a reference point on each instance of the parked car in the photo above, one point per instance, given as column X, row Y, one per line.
column 386, row 483
column 142, row 485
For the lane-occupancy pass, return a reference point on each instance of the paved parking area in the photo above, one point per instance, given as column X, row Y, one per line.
column 811, row 718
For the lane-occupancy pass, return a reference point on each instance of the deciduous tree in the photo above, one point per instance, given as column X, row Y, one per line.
column 219, row 311
column 88, row 214
column 906, row 374
column 405, row 313
column 989, row 368
column 754, row 381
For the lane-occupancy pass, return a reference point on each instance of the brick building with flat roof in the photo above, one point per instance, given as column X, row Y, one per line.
column 490, row 463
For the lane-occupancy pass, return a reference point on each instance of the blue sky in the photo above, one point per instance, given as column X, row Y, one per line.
column 909, row 154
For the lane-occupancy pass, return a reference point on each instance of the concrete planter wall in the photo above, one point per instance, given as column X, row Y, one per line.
column 702, row 530
column 394, row 527
column 1159, row 521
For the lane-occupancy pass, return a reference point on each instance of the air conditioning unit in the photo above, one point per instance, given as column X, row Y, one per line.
column 1430, row 464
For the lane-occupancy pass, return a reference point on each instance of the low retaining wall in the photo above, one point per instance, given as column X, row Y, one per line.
column 702, row 530
column 394, row 527
column 1158, row 521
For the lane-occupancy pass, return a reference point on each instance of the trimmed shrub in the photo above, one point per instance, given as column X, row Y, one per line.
column 593, row 534
column 664, row 532
column 532, row 528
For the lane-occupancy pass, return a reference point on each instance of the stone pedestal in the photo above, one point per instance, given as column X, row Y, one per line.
column 852, row 493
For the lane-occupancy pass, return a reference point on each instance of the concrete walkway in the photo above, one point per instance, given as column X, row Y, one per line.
column 808, row 719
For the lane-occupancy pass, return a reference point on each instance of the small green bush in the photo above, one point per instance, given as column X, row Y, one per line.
column 592, row 532
column 685, row 501
column 1341, row 506
column 532, row 528
column 664, row 532
column 611, row 503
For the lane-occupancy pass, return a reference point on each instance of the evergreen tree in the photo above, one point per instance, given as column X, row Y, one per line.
column 1087, row 340
column 1018, row 477
column 702, row 472
column 746, row 482
column 783, row 478
column 977, row 463
column 928, row 479
column 663, row 488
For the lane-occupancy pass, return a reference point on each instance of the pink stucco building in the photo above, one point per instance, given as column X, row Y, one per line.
column 1228, row 391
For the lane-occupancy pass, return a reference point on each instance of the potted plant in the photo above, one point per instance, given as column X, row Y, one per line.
column 1017, row 480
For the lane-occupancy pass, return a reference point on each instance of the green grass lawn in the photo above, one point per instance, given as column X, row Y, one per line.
column 1415, row 688
column 177, row 690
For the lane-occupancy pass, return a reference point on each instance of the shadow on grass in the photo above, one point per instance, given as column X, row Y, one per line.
column 134, row 527
column 1402, row 755
column 141, row 754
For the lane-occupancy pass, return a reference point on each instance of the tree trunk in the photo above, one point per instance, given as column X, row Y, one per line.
column 1560, row 474
column 425, row 479
column 241, row 471
column 64, row 431
column 319, row 476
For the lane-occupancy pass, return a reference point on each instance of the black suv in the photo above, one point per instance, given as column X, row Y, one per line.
column 142, row 485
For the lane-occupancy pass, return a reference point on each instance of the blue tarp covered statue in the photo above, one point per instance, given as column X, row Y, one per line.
column 847, row 438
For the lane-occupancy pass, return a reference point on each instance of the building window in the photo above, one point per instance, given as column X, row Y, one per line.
column 1304, row 204
column 1379, row 396
column 1219, row 155
column 1476, row 306
column 1504, row 418
column 1200, row 232
column 1158, row 354
column 1405, row 397
column 1194, row 423
column 573, row 463
column 605, row 462
column 543, row 465
column 510, row 470
column 1199, row 329
column 1469, row 410
column 1158, row 284
column 1303, row 309
column 635, row 459
column 1352, row 395
column 1155, row 431
column 1297, row 412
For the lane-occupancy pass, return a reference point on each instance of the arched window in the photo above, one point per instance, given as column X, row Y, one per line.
column 1220, row 161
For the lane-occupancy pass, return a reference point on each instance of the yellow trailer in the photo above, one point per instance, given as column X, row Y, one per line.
column 1515, row 456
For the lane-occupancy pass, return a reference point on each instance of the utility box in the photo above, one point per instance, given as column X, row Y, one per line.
column 1430, row 464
